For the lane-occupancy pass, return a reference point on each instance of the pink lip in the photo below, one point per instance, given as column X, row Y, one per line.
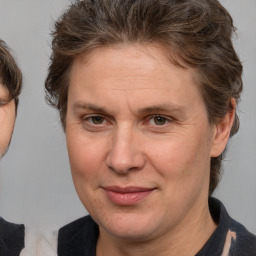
column 126, row 195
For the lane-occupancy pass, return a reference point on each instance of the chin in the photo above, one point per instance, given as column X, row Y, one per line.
column 129, row 226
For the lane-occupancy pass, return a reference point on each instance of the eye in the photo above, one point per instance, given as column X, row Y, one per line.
column 96, row 120
column 2, row 102
column 158, row 120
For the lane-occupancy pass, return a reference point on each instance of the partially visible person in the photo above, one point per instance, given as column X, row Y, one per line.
column 147, row 93
column 16, row 239
column 10, row 88
column 11, row 235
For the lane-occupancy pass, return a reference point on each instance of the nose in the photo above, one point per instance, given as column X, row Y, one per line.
column 125, row 152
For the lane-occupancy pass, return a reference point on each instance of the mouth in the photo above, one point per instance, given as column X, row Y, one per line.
column 127, row 196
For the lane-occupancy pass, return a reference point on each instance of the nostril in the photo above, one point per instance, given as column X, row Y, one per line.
column 123, row 165
column 125, row 154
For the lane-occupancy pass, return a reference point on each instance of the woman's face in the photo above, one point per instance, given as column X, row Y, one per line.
column 139, row 141
column 7, row 119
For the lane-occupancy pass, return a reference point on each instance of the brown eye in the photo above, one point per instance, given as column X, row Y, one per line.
column 158, row 120
column 96, row 119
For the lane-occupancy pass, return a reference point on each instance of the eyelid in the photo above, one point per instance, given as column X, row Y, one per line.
column 168, row 118
column 86, row 120
column 2, row 102
column 86, row 117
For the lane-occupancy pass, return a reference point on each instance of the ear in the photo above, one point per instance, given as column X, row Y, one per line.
column 222, row 130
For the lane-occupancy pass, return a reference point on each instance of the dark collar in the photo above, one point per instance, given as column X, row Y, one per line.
column 11, row 238
column 80, row 237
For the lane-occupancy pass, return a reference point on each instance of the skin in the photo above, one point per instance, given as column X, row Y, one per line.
column 135, row 119
column 7, row 119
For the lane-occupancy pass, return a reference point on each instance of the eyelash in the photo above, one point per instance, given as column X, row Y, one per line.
column 165, row 119
column 2, row 103
column 89, row 120
column 90, row 117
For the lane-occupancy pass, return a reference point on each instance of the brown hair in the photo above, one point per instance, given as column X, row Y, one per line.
column 10, row 74
column 199, row 32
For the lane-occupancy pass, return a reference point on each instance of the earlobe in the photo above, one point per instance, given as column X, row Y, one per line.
column 222, row 131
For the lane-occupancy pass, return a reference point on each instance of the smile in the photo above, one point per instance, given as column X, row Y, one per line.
column 127, row 196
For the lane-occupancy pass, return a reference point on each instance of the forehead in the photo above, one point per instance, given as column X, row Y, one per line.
column 129, row 61
column 131, row 76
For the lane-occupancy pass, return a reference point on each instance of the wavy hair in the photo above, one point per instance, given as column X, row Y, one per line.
column 198, row 32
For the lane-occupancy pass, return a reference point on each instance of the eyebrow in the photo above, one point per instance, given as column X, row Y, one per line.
column 143, row 111
column 89, row 106
column 161, row 108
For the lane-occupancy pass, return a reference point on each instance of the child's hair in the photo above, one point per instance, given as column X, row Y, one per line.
column 10, row 74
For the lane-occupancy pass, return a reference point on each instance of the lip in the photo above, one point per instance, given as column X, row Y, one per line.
column 127, row 195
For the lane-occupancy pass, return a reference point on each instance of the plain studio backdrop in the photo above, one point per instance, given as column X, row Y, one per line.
column 36, row 187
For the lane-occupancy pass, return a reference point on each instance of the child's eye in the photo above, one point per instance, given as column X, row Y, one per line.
column 2, row 102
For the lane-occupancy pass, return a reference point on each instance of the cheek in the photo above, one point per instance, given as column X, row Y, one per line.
column 7, row 120
column 86, row 158
column 183, row 161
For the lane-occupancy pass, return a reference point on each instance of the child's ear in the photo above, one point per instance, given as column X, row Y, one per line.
column 222, row 131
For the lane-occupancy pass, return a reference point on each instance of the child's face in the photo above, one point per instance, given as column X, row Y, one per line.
column 7, row 119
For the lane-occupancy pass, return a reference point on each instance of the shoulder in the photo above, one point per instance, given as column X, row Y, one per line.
column 8, row 228
column 242, row 241
column 232, row 237
column 78, row 237
column 11, row 238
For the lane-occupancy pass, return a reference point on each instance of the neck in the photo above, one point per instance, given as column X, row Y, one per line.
column 184, row 240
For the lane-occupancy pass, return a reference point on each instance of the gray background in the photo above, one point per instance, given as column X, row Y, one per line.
column 35, row 184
